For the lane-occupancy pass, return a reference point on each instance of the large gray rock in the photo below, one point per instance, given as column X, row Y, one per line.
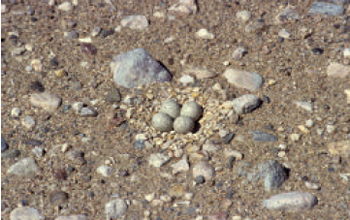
column 115, row 209
column 26, row 213
column 138, row 67
column 292, row 202
column 26, row 167
column 326, row 9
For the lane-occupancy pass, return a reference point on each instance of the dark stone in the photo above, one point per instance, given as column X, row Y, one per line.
column 231, row 161
column 54, row 62
column 260, row 136
column 317, row 51
column 106, row 33
column 33, row 19
column 4, row 145
column 200, row 179
column 113, row 96
column 227, row 139
column 88, row 49
column 266, row 99
column 37, row 86
column 60, row 174
column 58, row 197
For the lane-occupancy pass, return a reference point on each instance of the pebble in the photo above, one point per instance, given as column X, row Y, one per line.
column 72, row 217
column 210, row 147
column 18, row 51
column 96, row 31
column 312, row 186
column 159, row 14
column 228, row 138
column 48, row 101
column 88, row 48
column 4, row 9
column 11, row 153
column 326, row 9
column 26, row 213
column 239, row 53
column 138, row 68
column 106, row 33
column 186, row 79
column 295, row 137
column 233, row 153
column 261, row 136
column 37, row 65
column 158, row 160
column 199, row 179
column 150, row 197
column 4, row 145
column 289, row 13
column 181, row 166
column 71, row 35
column 199, row 73
column 137, row 22
column 185, row 7
column 25, row 167
column 105, row 171
column 309, row 123
column 204, row 169
column 243, row 16
column 38, row 151
column 87, row 112
column 162, row 122
column 338, row 70
column 255, row 28
column 77, row 107
column 60, row 73
column 246, row 103
column 284, row 34
column 346, row 53
column 317, row 51
column 192, row 109
column 341, row 148
column 65, row 6
column 308, row 106
column 115, row 209
column 169, row 39
column 347, row 93
column 204, row 34
column 28, row 122
column 293, row 202
column 245, row 80
column 58, row 197
column 184, row 124
column 330, row 128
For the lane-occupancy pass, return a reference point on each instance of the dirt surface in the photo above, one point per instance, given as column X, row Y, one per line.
column 298, row 72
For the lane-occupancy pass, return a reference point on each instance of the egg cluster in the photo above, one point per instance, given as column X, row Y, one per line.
column 172, row 116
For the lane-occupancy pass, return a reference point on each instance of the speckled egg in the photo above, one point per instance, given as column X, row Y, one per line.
column 192, row 110
column 170, row 107
column 183, row 124
column 162, row 122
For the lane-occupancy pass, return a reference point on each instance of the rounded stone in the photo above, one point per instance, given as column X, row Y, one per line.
column 170, row 107
column 183, row 124
column 192, row 110
column 162, row 122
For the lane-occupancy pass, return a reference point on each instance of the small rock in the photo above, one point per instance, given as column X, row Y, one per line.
column 309, row 123
column 341, row 148
column 4, row 9
column 158, row 160
column 330, row 128
column 26, row 213
column 138, row 22
column 203, row 169
column 72, row 217
column 105, row 171
column 115, row 209
column 88, row 48
column 346, row 53
column 77, row 107
column 60, row 73
column 246, row 103
column 185, row 7
column 326, row 9
column 186, row 79
column 58, row 197
column 38, row 151
column 71, row 35
column 138, row 68
column 347, row 93
column 239, row 53
column 317, row 51
column 204, row 34
column 338, row 70
column 48, row 101
column 210, row 147
column 255, row 28
column 150, row 197
column 106, row 33
column 87, row 112
column 199, row 73
column 260, row 136
column 243, row 16
column 26, row 167
column 295, row 137
column 15, row 112
column 181, row 166
column 28, row 122
column 18, row 51
column 96, row 31
column 288, row 14
column 284, row 34
column 233, row 153
column 86, row 40
column 65, row 6
column 77, row 156
column 294, row 202
column 4, row 145
column 308, row 106
column 159, row 14
column 199, row 179
column 312, row 186
column 227, row 138
column 37, row 65
column 246, row 80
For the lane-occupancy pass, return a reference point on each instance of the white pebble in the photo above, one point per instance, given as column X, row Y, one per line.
column 244, row 16
column 15, row 112
column 346, row 52
column 204, row 34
